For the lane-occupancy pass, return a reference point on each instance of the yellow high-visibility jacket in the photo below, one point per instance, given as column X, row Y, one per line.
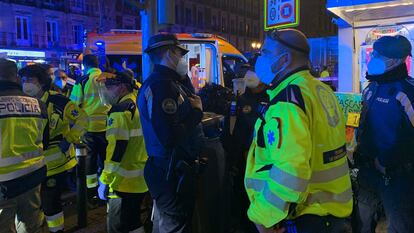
column 66, row 121
column 125, row 154
column 23, row 120
column 85, row 95
column 297, row 161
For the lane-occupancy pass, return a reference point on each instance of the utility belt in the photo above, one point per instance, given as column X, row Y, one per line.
column 182, row 171
column 391, row 171
column 387, row 173
column 195, row 166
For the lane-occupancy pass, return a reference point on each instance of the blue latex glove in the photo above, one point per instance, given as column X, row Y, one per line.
column 103, row 191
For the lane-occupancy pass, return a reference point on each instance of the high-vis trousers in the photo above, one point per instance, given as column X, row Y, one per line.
column 22, row 214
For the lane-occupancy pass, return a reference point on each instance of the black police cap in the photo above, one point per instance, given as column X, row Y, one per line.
column 396, row 47
column 161, row 40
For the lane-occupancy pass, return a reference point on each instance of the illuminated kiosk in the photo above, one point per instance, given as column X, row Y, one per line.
column 24, row 57
column 361, row 22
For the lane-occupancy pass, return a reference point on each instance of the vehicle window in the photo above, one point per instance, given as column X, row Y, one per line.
column 202, row 68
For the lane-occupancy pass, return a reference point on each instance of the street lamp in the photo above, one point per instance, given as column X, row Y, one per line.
column 256, row 45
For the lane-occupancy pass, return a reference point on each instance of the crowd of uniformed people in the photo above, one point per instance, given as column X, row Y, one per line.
column 285, row 151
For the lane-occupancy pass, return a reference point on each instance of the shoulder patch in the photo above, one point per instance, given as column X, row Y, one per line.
column 169, row 106
column 291, row 94
column 329, row 106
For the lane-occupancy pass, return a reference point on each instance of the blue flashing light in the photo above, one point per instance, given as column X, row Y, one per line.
column 99, row 43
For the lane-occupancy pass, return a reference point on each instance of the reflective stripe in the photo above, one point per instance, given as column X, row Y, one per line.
column 331, row 174
column 124, row 133
column 135, row 133
column 110, row 167
column 97, row 118
column 92, row 181
column 77, row 127
column 53, row 157
column 288, row 180
column 148, row 98
column 130, row 173
column 274, row 199
column 21, row 172
column 74, row 98
column 326, row 197
column 13, row 160
column 255, row 184
column 55, row 222
column 406, row 103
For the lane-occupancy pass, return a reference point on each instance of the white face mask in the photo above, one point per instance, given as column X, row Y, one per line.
column 264, row 70
column 252, row 81
column 182, row 67
column 171, row 60
column 31, row 89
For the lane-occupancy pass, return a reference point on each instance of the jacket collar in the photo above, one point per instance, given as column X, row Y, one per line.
column 277, row 82
column 8, row 85
column 168, row 72
column 130, row 96
column 398, row 73
column 274, row 90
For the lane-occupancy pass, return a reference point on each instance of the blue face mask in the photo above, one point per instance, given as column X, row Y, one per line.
column 263, row 68
column 376, row 66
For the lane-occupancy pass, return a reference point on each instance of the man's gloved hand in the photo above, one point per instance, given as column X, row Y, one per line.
column 103, row 190
column 64, row 146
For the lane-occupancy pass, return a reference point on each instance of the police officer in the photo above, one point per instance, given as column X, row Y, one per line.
column 297, row 175
column 123, row 174
column 85, row 94
column 67, row 123
column 385, row 139
column 22, row 167
column 170, row 115
column 248, row 108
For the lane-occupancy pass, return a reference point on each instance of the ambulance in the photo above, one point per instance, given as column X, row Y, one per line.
column 211, row 59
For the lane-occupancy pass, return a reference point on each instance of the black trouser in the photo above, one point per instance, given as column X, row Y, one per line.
column 173, row 213
column 96, row 145
column 124, row 212
column 317, row 224
column 397, row 199
column 50, row 193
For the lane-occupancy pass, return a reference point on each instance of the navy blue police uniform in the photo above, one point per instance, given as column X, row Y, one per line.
column 171, row 130
column 385, row 157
